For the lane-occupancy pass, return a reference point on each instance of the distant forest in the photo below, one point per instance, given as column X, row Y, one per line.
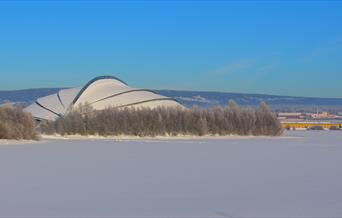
column 228, row 120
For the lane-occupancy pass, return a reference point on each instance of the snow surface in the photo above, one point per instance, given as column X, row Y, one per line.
column 295, row 176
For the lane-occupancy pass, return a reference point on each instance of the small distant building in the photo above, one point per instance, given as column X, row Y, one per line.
column 289, row 115
column 323, row 115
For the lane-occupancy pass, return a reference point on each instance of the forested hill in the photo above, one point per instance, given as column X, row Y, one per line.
column 202, row 99
column 207, row 99
column 25, row 96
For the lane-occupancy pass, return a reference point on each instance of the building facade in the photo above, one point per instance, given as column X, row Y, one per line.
column 101, row 92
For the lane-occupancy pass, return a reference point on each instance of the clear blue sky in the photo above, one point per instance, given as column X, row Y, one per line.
column 285, row 48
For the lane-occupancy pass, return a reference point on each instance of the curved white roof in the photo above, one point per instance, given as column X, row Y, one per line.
column 101, row 92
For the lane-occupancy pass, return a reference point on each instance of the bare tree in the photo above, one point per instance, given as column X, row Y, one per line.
column 16, row 124
column 166, row 121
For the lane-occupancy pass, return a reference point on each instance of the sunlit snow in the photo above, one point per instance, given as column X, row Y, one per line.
column 296, row 175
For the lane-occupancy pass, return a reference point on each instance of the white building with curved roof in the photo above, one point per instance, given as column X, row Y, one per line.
column 101, row 92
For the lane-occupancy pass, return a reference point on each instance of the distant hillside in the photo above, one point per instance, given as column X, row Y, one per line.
column 25, row 96
column 207, row 99
column 203, row 99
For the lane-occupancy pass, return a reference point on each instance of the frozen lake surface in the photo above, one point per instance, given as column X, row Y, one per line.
column 295, row 176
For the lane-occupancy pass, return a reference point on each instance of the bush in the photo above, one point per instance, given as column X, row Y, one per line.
column 16, row 124
column 316, row 128
column 162, row 121
column 335, row 128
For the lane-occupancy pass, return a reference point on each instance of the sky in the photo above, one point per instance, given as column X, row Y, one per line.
column 267, row 47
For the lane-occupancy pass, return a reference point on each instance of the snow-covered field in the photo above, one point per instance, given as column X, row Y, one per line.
column 299, row 175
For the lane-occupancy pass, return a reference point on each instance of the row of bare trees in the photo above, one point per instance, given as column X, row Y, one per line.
column 16, row 124
column 161, row 121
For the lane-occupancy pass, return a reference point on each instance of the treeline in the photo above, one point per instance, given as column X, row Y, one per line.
column 16, row 124
column 229, row 120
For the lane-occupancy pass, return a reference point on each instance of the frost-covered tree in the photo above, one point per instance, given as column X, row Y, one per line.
column 16, row 124
column 167, row 121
